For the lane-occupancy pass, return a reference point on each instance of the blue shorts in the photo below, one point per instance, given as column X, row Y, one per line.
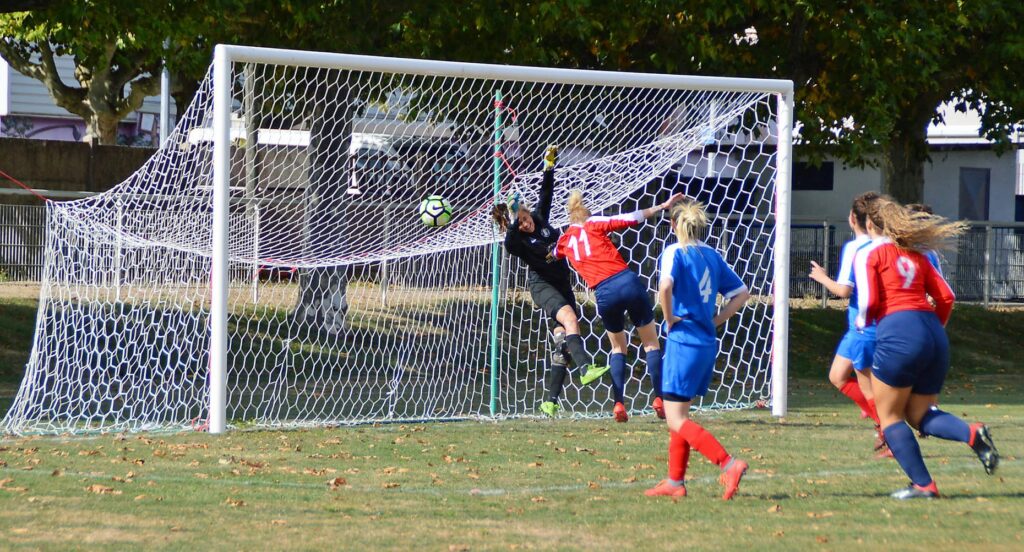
column 858, row 348
column 687, row 369
column 620, row 294
column 912, row 350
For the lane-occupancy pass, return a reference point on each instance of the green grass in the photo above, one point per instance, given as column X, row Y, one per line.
column 532, row 484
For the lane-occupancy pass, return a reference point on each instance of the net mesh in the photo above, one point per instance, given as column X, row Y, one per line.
column 343, row 306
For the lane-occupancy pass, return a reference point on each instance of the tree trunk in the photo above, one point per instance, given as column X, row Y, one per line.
column 323, row 304
column 906, row 153
column 101, row 128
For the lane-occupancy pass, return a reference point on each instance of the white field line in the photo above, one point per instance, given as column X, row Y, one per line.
column 875, row 467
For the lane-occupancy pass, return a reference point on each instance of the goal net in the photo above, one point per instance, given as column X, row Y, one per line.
column 268, row 267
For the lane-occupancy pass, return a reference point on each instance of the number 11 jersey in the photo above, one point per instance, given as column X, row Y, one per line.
column 589, row 250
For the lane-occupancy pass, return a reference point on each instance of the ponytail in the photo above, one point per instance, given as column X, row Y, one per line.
column 917, row 231
column 689, row 220
column 578, row 213
column 501, row 217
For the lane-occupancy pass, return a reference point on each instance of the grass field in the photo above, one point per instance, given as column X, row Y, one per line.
column 531, row 484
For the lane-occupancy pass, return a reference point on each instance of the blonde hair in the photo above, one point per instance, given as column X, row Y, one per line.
column 578, row 212
column 913, row 230
column 688, row 221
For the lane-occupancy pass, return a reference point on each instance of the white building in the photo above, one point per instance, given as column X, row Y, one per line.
column 28, row 111
column 965, row 178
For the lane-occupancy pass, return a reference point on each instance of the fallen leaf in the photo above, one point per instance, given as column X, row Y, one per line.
column 774, row 509
column 336, row 482
column 234, row 502
column 102, row 489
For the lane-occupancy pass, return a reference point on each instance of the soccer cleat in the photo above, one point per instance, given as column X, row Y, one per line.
column 593, row 373
column 982, row 445
column 620, row 413
column 879, row 438
column 550, row 157
column 557, row 347
column 883, row 453
column 731, row 476
column 913, row 491
column 667, row 488
column 659, row 407
column 549, row 408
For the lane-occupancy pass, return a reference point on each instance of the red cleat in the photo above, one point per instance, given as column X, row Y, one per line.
column 666, row 488
column 883, row 453
column 731, row 476
column 659, row 407
column 620, row 413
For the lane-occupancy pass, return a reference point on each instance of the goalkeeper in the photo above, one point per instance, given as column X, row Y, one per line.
column 529, row 236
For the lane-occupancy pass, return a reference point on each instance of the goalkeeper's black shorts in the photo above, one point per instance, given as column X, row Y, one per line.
column 551, row 298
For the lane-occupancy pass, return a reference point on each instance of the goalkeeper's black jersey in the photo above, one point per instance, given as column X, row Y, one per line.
column 535, row 249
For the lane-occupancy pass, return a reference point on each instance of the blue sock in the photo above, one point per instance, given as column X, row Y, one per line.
column 944, row 425
column 618, row 363
column 904, row 447
column 654, row 370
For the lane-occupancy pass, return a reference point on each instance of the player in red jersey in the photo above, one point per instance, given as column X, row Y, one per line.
column 618, row 289
column 894, row 281
column 851, row 368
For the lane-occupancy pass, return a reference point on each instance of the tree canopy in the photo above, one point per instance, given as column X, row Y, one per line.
column 869, row 76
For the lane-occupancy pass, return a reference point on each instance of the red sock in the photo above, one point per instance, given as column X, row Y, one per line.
column 852, row 389
column 704, row 442
column 873, row 411
column 678, row 456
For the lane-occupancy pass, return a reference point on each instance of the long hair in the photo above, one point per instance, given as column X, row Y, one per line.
column 688, row 221
column 914, row 231
column 578, row 212
column 861, row 204
column 501, row 217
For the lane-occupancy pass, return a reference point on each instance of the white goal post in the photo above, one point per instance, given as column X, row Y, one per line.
column 266, row 268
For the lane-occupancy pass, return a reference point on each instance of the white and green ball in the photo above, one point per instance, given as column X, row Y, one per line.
column 435, row 211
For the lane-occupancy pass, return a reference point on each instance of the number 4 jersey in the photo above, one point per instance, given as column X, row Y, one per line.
column 589, row 250
column 892, row 279
column 697, row 274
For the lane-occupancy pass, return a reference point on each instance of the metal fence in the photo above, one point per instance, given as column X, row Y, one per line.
column 22, row 239
column 987, row 265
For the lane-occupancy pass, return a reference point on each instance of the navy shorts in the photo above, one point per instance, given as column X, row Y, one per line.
column 620, row 294
column 912, row 350
column 687, row 369
column 858, row 348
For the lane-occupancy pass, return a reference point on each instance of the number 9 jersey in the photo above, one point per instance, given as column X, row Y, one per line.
column 891, row 279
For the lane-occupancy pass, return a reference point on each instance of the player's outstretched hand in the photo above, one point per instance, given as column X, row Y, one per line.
column 818, row 273
column 672, row 201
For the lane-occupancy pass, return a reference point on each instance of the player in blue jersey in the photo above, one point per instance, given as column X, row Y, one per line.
column 853, row 356
column 692, row 275
column 930, row 254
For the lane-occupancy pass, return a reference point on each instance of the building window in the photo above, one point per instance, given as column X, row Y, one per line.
column 808, row 177
column 1019, row 211
column 974, row 188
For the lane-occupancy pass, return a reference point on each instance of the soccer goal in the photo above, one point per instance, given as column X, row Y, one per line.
column 268, row 266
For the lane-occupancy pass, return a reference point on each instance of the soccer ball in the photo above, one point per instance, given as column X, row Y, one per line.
column 435, row 211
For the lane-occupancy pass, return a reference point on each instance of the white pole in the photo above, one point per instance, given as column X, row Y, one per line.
column 165, row 100
column 219, row 261
column 780, row 322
